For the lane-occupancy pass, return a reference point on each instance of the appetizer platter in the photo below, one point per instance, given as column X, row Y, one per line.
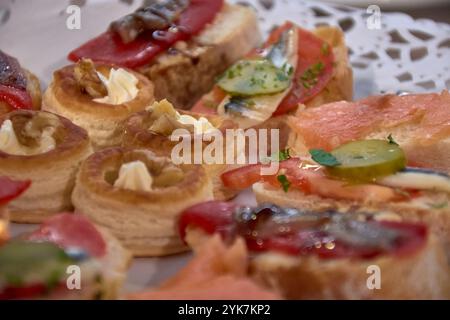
column 121, row 177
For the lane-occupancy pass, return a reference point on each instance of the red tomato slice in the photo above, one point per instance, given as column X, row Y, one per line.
column 9, row 189
column 212, row 216
column 311, row 51
column 109, row 48
column 244, row 177
column 71, row 230
column 16, row 98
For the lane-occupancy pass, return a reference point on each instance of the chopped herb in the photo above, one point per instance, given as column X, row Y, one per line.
column 290, row 70
column 325, row 49
column 324, row 158
column 310, row 77
column 284, row 155
column 441, row 205
column 391, row 140
column 283, row 180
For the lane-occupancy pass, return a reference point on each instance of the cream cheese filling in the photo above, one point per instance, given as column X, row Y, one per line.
column 134, row 176
column 165, row 108
column 121, row 86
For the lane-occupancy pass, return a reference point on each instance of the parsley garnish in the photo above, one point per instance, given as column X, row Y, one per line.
column 310, row 76
column 391, row 140
column 283, row 180
column 284, row 155
column 324, row 158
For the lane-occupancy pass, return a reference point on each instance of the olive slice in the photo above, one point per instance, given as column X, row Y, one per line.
column 254, row 77
column 367, row 160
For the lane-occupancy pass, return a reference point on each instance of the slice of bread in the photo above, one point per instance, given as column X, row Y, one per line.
column 114, row 266
column 418, row 210
column 421, row 275
column 187, row 71
column 408, row 119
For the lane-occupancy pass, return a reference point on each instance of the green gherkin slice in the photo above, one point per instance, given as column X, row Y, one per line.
column 254, row 77
column 367, row 160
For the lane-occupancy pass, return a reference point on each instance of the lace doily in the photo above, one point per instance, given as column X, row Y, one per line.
column 403, row 55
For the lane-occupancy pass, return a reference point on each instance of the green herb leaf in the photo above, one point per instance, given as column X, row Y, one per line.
column 283, row 180
column 391, row 140
column 441, row 205
column 325, row 49
column 310, row 77
column 284, row 155
column 324, row 158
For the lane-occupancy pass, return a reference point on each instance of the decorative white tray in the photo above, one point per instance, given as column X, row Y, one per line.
column 402, row 55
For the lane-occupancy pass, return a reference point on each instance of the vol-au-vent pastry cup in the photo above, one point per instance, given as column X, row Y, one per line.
column 46, row 149
column 153, row 129
column 138, row 196
column 100, row 115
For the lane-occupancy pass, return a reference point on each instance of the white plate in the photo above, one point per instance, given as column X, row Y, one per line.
column 35, row 32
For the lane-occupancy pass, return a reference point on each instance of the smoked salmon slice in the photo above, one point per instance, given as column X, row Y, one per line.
column 217, row 272
column 333, row 124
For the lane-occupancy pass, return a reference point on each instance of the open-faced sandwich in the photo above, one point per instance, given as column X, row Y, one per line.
column 19, row 88
column 139, row 196
column 217, row 272
column 326, row 254
column 420, row 124
column 46, row 149
column 98, row 98
column 181, row 45
column 294, row 67
column 67, row 257
column 9, row 190
column 367, row 174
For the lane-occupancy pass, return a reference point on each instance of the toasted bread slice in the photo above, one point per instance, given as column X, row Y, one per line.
column 187, row 71
column 417, row 122
column 114, row 265
column 418, row 210
column 423, row 274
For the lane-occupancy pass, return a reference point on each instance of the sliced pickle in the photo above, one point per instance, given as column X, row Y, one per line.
column 254, row 77
column 367, row 160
